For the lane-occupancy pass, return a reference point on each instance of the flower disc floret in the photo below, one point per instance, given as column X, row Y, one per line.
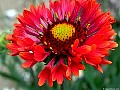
column 63, row 31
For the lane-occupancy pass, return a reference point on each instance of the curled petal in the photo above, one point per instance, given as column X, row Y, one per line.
column 45, row 75
column 68, row 72
column 93, row 59
column 39, row 53
column 9, row 37
column 13, row 47
column 26, row 55
column 75, row 45
column 99, row 68
column 74, row 68
column 83, row 49
column 26, row 42
column 106, row 62
column 59, row 72
column 96, row 39
column 28, row 63
column 112, row 44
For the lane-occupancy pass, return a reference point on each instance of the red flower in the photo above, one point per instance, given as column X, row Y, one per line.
column 70, row 31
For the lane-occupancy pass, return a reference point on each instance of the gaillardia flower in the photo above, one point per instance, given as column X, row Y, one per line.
column 63, row 36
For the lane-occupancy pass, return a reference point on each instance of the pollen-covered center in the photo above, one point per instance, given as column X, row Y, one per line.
column 60, row 36
column 63, row 31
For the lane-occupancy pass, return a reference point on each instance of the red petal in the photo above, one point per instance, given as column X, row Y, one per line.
column 75, row 67
column 96, row 39
column 112, row 44
column 26, row 55
column 75, row 45
column 13, row 48
column 76, row 59
column 75, row 12
column 98, row 67
column 28, row 16
column 70, row 9
column 59, row 72
column 106, row 62
column 22, row 43
column 93, row 59
column 44, row 75
column 68, row 72
column 33, row 9
column 29, row 41
column 40, row 54
column 9, row 37
column 21, row 19
column 28, row 64
column 50, row 82
column 83, row 49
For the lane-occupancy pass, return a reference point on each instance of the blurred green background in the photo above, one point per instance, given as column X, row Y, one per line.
column 13, row 77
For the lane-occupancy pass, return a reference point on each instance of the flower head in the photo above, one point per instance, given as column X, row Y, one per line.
column 69, row 31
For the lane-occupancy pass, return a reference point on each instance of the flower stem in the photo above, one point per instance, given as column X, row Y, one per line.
column 34, row 79
column 62, row 86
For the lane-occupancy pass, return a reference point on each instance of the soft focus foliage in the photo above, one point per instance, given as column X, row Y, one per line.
column 25, row 79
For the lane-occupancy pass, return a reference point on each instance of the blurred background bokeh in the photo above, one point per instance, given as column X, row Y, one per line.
column 13, row 77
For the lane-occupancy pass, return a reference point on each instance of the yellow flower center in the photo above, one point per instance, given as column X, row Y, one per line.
column 63, row 31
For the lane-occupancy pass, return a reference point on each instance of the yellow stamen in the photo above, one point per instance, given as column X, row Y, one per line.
column 79, row 18
column 51, row 48
column 56, row 15
column 41, row 25
column 81, row 40
column 71, row 45
column 88, row 25
column 68, row 14
column 45, row 43
column 56, row 53
column 63, row 31
column 52, row 51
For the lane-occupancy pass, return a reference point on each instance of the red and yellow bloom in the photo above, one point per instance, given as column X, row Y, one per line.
column 69, row 31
